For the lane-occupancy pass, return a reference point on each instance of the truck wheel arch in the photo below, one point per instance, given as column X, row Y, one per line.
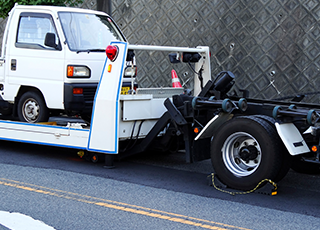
column 24, row 89
column 37, row 95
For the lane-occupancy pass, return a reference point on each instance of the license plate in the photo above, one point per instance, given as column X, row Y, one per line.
column 124, row 90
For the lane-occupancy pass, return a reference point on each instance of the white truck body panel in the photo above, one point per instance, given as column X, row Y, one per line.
column 48, row 77
column 138, row 107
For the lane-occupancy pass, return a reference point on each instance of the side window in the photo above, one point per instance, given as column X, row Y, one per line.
column 32, row 32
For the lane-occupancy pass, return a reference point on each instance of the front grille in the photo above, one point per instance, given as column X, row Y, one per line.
column 88, row 94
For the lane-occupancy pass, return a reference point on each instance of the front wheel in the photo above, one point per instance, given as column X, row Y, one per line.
column 32, row 108
column 245, row 151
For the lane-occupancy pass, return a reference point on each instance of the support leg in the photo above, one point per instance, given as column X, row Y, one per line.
column 109, row 161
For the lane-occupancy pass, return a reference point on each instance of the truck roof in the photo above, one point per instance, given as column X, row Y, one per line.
column 57, row 9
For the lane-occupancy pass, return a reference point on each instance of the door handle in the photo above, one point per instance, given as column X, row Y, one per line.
column 13, row 64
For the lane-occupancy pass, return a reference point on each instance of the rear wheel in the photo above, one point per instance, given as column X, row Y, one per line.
column 284, row 154
column 32, row 108
column 245, row 151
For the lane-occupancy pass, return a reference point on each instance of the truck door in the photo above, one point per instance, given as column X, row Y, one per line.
column 33, row 62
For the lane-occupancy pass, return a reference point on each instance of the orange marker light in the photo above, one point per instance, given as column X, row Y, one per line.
column 196, row 130
column 70, row 71
column 109, row 68
column 314, row 149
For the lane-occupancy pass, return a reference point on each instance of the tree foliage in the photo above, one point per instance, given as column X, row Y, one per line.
column 6, row 5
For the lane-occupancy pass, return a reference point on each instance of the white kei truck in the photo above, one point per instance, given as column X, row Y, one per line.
column 51, row 60
column 248, row 140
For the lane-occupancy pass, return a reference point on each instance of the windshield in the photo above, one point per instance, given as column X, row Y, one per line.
column 89, row 32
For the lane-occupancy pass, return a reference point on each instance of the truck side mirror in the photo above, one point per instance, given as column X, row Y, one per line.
column 50, row 40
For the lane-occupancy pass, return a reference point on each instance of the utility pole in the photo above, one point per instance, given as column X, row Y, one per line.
column 105, row 6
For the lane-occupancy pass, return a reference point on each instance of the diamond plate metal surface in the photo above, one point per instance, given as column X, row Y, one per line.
column 272, row 46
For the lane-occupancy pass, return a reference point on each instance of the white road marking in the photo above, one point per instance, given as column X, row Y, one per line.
column 18, row 221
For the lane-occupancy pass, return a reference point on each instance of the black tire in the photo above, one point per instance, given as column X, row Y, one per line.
column 245, row 151
column 304, row 167
column 32, row 108
column 285, row 156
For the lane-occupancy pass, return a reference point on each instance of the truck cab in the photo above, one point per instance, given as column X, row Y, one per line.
column 52, row 59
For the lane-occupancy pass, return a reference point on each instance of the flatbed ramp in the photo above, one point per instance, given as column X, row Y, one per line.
column 74, row 135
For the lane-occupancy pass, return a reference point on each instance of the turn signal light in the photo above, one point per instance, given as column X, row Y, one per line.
column 196, row 130
column 70, row 71
column 112, row 52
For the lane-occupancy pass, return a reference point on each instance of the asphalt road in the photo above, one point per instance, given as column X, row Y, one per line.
column 150, row 191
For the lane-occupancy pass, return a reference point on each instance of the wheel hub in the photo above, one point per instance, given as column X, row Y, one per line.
column 248, row 153
column 241, row 154
column 31, row 110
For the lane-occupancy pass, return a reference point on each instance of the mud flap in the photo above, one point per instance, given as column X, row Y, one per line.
column 292, row 138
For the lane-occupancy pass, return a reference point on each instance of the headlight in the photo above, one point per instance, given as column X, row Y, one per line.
column 130, row 71
column 78, row 71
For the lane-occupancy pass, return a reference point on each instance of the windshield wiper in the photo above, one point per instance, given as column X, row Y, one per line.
column 91, row 50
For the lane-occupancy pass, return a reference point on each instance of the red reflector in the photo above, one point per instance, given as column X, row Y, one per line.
column 77, row 91
column 112, row 52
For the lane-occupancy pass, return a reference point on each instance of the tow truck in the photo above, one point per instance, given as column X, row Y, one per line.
column 247, row 139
